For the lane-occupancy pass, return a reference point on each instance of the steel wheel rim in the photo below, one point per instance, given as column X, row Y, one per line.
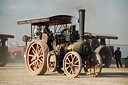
column 35, row 57
column 72, row 65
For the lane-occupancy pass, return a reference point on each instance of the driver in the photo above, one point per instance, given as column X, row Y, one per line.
column 49, row 33
column 46, row 30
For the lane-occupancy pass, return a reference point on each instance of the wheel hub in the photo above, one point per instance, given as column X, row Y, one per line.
column 35, row 57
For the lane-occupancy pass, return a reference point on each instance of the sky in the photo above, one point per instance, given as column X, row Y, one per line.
column 102, row 16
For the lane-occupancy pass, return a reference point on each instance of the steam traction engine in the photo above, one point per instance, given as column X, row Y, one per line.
column 98, row 44
column 4, row 54
column 65, row 50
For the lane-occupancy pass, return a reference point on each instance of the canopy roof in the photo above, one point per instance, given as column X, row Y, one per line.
column 100, row 35
column 53, row 20
column 4, row 36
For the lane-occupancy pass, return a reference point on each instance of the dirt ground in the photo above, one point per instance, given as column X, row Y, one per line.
column 17, row 74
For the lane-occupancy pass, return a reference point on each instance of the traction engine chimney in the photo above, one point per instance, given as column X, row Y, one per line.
column 81, row 23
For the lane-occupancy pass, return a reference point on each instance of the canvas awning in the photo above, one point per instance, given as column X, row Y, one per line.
column 5, row 36
column 53, row 20
column 100, row 35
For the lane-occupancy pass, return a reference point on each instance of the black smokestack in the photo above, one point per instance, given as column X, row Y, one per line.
column 81, row 23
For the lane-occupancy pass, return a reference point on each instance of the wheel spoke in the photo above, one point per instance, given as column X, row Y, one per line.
column 39, row 51
column 76, row 62
column 33, row 59
column 71, row 70
column 40, row 61
column 38, row 64
column 68, row 67
column 76, row 65
column 34, row 49
column 67, row 63
column 33, row 52
column 30, row 55
column 72, row 57
column 37, row 48
column 69, row 60
column 75, row 68
column 35, row 66
column 40, row 56
column 31, row 63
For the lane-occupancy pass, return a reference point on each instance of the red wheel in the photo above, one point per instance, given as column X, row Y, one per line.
column 36, row 57
column 93, row 65
column 72, row 64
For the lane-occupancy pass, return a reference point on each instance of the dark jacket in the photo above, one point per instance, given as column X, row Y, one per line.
column 46, row 30
column 117, row 54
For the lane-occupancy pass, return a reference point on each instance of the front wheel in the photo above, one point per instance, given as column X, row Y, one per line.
column 72, row 64
column 93, row 65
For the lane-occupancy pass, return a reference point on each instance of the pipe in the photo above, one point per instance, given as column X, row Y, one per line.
column 81, row 23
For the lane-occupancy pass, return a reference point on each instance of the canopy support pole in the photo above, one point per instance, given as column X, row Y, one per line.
column 31, row 31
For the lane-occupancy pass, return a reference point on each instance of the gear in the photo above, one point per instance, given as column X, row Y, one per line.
column 51, row 61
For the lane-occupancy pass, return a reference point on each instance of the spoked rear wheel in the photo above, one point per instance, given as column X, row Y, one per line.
column 93, row 65
column 36, row 54
column 72, row 64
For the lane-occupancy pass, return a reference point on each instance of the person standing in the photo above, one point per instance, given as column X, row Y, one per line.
column 117, row 55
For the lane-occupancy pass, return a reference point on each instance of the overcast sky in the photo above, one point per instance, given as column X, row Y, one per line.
column 102, row 16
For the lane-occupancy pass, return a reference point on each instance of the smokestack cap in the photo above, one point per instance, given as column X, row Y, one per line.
column 82, row 10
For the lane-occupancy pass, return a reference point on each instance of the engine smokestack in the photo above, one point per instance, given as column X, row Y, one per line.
column 81, row 23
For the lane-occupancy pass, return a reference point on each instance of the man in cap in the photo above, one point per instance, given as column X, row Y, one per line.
column 118, row 57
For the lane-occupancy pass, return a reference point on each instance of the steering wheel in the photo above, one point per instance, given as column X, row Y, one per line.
column 64, row 31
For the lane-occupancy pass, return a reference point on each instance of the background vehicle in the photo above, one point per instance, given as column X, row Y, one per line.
column 66, row 48
column 4, row 54
column 17, row 53
column 98, row 44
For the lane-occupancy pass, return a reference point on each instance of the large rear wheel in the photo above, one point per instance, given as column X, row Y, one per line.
column 72, row 64
column 36, row 57
column 106, row 55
